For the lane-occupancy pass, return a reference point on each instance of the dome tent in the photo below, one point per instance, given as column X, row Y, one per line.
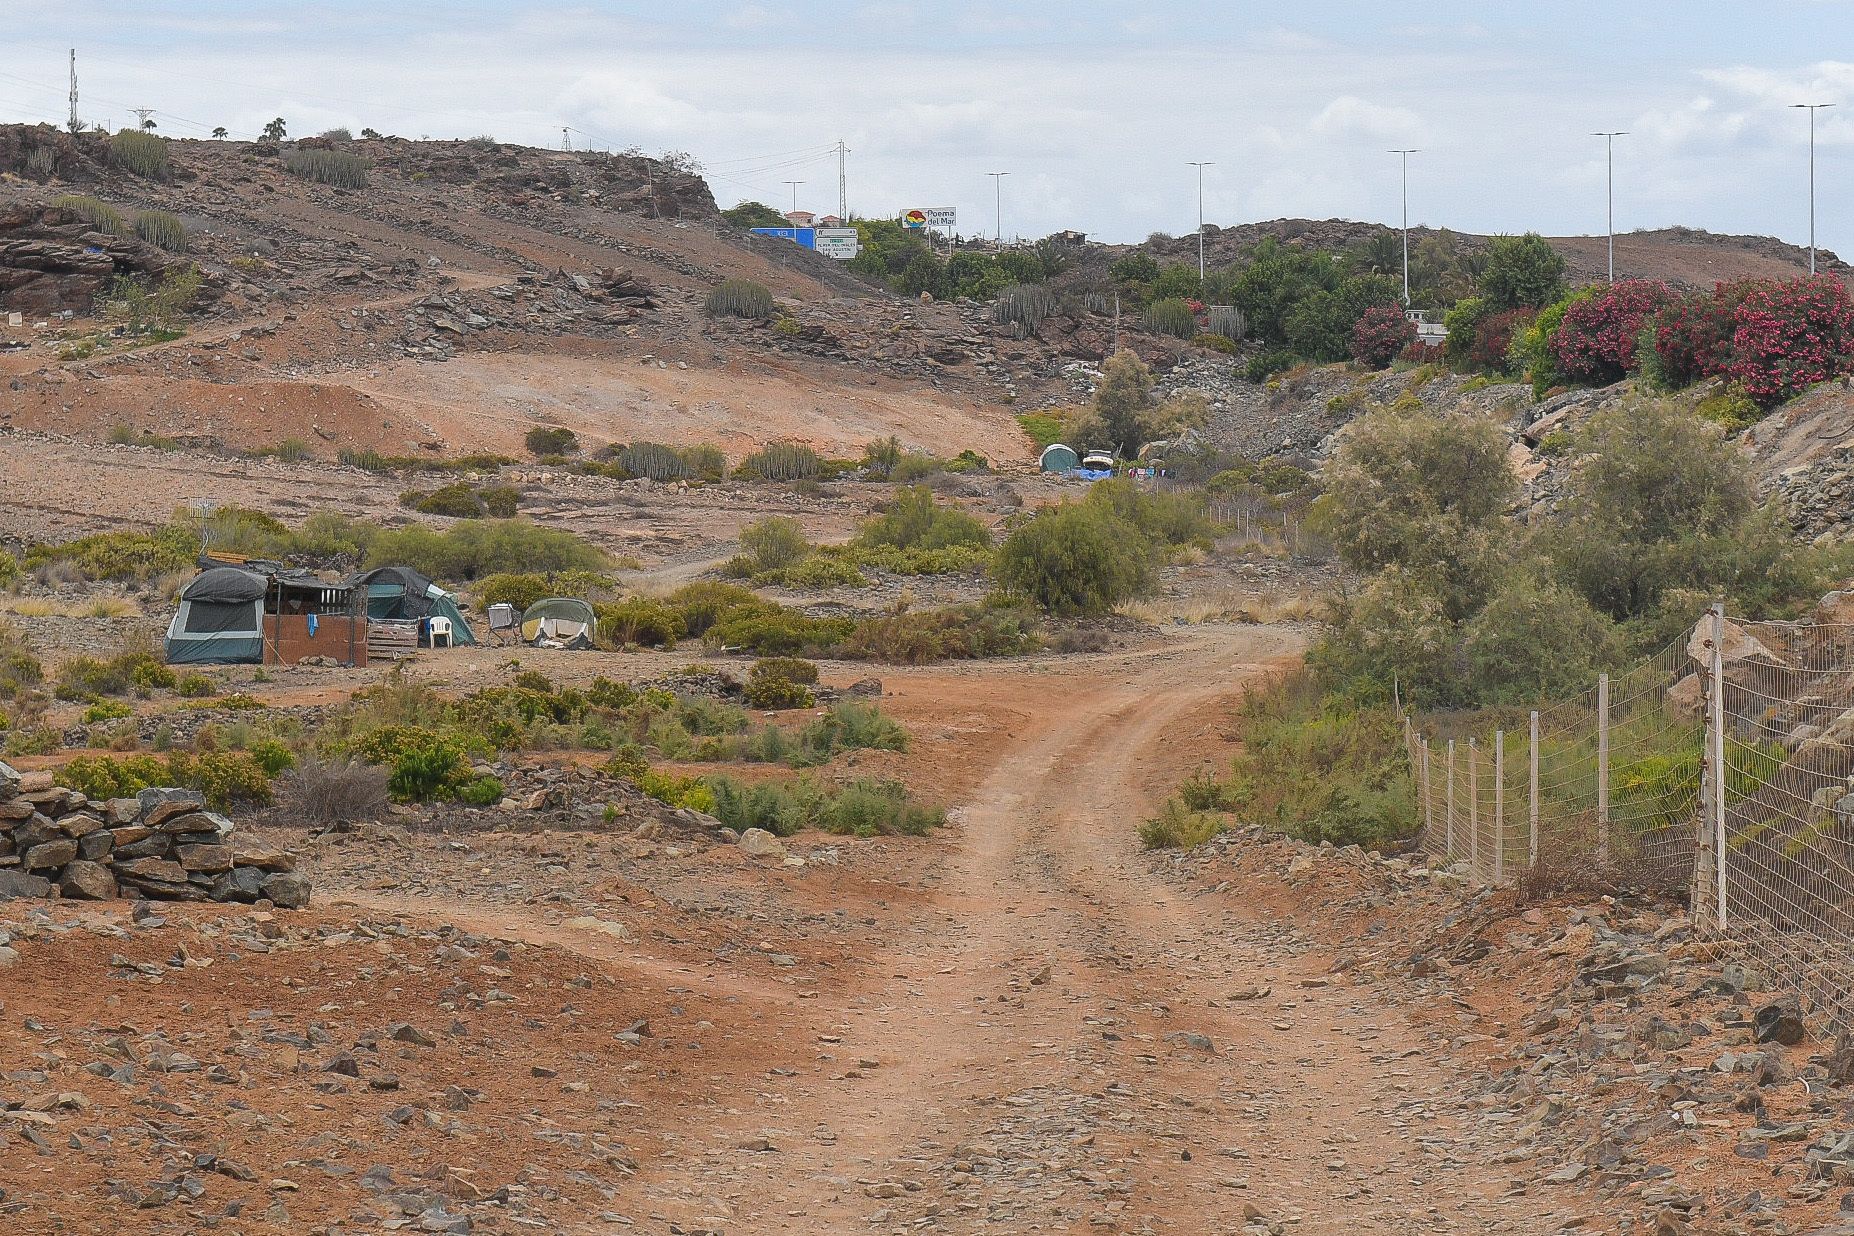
column 559, row 622
column 220, row 619
column 1059, row 458
column 400, row 593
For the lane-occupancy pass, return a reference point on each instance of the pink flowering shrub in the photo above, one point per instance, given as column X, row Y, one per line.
column 1595, row 344
column 1693, row 335
column 1493, row 337
column 1380, row 335
column 1790, row 336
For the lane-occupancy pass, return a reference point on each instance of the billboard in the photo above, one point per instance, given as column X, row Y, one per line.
column 838, row 242
column 942, row 216
column 913, row 218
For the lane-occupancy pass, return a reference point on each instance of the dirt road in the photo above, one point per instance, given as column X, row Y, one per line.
column 1056, row 1039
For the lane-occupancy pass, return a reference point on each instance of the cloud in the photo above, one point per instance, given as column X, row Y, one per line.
column 1349, row 116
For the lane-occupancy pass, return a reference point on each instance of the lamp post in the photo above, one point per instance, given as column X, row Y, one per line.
column 1609, row 139
column 1812, row 109
column 1404, row 156
column 793, row 184
column 1200, row 216
column 997, row 197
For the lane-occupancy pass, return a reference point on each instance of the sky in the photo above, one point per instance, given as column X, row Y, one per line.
column 1094, row 109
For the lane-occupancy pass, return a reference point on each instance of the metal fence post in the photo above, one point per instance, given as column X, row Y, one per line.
column 1474, row 809
column 1532, row 794
column 1499, row 829
column 1715, row 748
column 1448, row 805
column 1602, row 771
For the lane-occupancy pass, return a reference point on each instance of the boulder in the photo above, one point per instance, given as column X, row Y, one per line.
column 87, row 880
column 252, row 853
column 239, row 884
column 287, row 889
column 94, row 846
column 79, row 823
column 1780, row 1021
column 19, row 884
column 9, row 780
column 161, row 805
column 758, row 843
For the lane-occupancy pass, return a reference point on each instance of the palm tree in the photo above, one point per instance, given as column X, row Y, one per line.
column 275, row 130
column 220, row 133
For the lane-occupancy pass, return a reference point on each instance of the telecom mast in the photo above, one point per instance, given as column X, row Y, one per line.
column 843, row 192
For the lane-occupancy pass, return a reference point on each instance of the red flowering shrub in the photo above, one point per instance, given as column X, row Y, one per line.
column 1493, row 335
column 1595, row 344
column 1380, row 335
column 1693, row 335
column 1790, row 336
column 1420, row 353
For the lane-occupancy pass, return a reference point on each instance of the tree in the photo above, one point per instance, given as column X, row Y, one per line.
column 1079, row 558
column 148, row 124
column 1122, row 401
column 276, row 130
column 372, row 135
column 1522, row 272
column 754, row 214
column 220, row 133
column 1427, row 494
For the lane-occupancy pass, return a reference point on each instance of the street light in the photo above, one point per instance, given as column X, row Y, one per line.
column 1404, row 155
column 794, row 187
column 1200, row 216
column 1609, row 139
column 1812, row 109
column 997, row 193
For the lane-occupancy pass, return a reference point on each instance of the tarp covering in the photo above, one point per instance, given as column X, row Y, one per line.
column 559, row 622
column 219, row 619
column 226, row 584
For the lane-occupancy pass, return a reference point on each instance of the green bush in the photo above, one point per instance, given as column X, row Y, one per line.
column 330, row 167
column 864, row 808
column 457, row 500
column 781, row 461
column 1076, row 559
column 98, row 214
column 966, row 632
column 1171, row 317
column 142, row 153
column 1266, row 364
column 741, row 298
column 195, row 687
column 475, row 548
column 227, row 779
column 773, row 693
column 851, row 726
column 792, row 669
column 551, row 440
column 161, row 229
column 644, row 621
column 137, row 669
column 1043, row 429
column 1178, row 827
column 774, row 543
column 775, row 632
column 702, row 604
column 915, row 521
column 422, row 764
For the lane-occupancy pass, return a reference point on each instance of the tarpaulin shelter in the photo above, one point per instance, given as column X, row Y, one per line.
column 559, row 622
column 220, row 619
column 400, row 594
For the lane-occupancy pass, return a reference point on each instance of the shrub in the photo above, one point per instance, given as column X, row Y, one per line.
column 226, row 779
column 98, row 214
column 195, row 687
column 741, row 298
column 1693, row 335
column 136, row 669
column 792, row 669
column 142, row 153
column 458, row 500
column 551, row 440
column 775, row 693
column 913, row 520
column 422, row 764
column 1521, row 272
column 1791, row 336
column 1595, row 343
column 1076, row 559
column 851, row 726
column 518, row 590
column 1267, row 363
column 1462, row 322
column 1227, row 321
column 330, row 167
column 776, row 632
column 643, row 621
column 1024, row 305
column 480, row 547
column 1534, row 640
column 1380, row 335
column 881, row 456
column 1178, row 827
column 965, row 632
column 1042, row 428
column 781, row 461
column 1173, row 317
column 702, row 604
column 774, row 543
column 655, row 462
column 161, row 229
column 344, row 791
column 1491, row 351
column 862, row 808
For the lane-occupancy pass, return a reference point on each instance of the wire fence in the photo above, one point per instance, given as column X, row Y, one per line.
column 1720, row 770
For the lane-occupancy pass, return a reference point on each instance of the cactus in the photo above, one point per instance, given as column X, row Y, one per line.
column 705, row 462
column 1097, row 302
column 98, row 214
column 141, row 153
column 655, row 461
column 741, row 298
column 329, row 167
column 161, row 229
column 1025, row 304
column 43, row 161
column 781, row 461
column 1228, row 321
column 1171, row 317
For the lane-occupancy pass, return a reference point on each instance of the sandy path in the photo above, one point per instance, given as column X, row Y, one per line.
column 1006, row 1065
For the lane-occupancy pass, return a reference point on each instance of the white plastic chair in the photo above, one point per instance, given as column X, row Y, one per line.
column 440, row 627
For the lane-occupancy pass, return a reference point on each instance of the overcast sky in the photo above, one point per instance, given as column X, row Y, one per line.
column 1094, row 108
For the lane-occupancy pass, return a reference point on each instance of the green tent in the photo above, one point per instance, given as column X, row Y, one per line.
column 220, row 620
column 398, row 592
column 559, row 622
column 1059, row 458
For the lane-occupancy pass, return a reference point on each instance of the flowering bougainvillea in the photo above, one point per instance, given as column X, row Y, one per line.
column 1693, row 335
column 1790, row 336
column 1595, row 344
column 1381, row 334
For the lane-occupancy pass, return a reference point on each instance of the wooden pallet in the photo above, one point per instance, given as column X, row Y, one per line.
column 391, row 640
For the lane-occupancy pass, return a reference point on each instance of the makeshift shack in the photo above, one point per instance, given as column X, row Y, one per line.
column 400, row 606
column 559, row 622
column 261, row 613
